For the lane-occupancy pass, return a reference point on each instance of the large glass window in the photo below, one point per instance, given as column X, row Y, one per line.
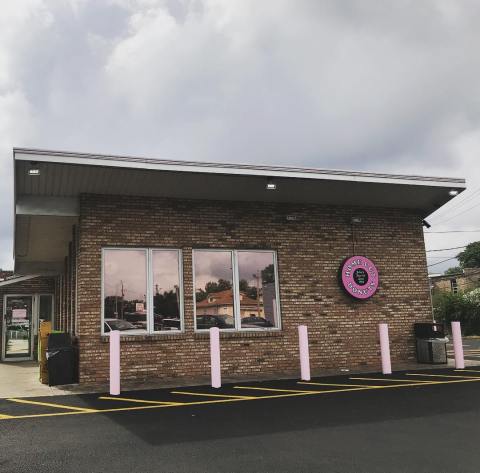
column 235, row 290
column 257, row 289
column 142, row 290
column 214, row 301
column 166, row 290
column 125, row 290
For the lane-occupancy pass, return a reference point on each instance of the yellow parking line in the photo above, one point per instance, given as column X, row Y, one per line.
column 4, row 416
column 141, row 401
column 213, row 395
column 442, row 375
column 50, row 404
column 339, row 385
column 275, row 390
column 470, row 371
column 390, row 379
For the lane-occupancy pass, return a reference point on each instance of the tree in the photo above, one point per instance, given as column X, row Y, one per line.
column 453, row 270
column 470, row 256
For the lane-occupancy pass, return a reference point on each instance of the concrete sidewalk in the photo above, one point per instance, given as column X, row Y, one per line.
column 20, row 379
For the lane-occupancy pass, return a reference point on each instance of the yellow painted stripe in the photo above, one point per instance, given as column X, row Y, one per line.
column 51, row 404
column 390, row 379
column 216, row 401
column 213, row 395
column 141, row 401
column 256, row 388
column 470, row 371
column 334, row 384
column 442, row 375
column 4, row 416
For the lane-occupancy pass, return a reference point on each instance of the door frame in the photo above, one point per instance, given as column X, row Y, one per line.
column 34, row 323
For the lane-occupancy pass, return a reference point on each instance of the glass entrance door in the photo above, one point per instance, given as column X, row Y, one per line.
column 18, row 328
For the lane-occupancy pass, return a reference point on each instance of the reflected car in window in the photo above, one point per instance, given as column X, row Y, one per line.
column 208, row 321
column 116, row 324
column 256, row 322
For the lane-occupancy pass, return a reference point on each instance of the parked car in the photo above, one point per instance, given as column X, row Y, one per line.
column 255, row 322
column 170, row 324
column 117, row 324
column 207, row 321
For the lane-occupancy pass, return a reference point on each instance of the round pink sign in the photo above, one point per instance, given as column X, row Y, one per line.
column 359, row 277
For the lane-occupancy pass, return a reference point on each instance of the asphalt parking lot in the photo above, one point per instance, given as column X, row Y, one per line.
column 409, row 421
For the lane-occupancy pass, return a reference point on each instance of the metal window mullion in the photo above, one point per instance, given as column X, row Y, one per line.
column 236, row 290
column 149, row 294
column 180, row 289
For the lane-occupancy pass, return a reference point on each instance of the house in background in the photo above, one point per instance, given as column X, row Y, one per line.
column 463, row 281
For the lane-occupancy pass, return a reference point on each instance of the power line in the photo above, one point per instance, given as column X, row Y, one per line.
column 459, row 203
column 458, row 214
column 445, row 249
column 455, row 231
column 440, row 262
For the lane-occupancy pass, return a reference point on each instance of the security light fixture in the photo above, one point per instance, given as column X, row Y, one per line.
column 271, row 186
column 34, row 172
column 453, row 192
column 356, row 220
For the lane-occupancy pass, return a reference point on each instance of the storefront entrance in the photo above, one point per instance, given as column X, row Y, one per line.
column 21, row 317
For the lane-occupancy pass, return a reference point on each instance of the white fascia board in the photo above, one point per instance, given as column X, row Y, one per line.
column 13, row 280
column 232, row 169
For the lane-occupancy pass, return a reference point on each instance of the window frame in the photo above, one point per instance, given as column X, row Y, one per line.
column 236, row 290
column 149, row 291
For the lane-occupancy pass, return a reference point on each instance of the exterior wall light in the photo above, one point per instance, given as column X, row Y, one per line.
column 271, row 186
column 34, row 172
column 453, row 192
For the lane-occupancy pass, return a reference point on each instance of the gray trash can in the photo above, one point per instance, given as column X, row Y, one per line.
column 431, row 343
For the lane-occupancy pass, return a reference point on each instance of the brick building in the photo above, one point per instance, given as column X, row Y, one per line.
column 148, row 246
column 463, row 281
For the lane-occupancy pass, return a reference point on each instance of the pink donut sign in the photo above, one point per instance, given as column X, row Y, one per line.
column 359, row 277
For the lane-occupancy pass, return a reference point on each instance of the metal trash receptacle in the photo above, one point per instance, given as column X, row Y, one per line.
column 60, row 359
column 431, row 343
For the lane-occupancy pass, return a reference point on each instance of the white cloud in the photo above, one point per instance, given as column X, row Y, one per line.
column 389, row 86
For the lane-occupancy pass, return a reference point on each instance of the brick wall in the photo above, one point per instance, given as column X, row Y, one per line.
column 343, row 332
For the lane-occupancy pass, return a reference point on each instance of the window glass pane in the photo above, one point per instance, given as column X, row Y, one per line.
column 214, row 290
column 125, row 290
column 257, row 289
column 166, row 290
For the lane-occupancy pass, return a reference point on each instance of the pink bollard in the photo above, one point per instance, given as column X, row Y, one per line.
column 304, row 354
column 114, row 363
column 457, row 346
column 385, row 348
column 215, row 357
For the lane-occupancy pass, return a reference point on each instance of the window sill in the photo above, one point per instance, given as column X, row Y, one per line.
column 242, row 334
column 147, row 337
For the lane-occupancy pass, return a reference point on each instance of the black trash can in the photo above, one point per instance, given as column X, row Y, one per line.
column 61, row 360
column 431, row 343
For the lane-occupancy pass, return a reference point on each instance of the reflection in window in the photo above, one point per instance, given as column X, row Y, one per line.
column 257, row 289
column 214, row 303
column 252, row 304
column 166, row 290
column 125, row 290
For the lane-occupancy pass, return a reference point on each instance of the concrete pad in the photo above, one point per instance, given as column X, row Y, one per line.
column 20, row 379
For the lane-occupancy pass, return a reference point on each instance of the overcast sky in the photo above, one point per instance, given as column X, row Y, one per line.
column 353, row 84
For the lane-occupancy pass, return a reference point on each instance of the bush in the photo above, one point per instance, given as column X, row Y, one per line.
column 462, row 307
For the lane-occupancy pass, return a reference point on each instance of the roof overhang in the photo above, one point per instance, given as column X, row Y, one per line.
column 46, row 204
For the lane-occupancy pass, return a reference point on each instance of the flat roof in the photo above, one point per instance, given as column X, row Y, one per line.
column 46, row 204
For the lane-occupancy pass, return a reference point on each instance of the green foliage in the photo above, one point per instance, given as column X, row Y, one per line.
column 211, row 287
column 453, row 270
column 462, row 307
column 470, row 256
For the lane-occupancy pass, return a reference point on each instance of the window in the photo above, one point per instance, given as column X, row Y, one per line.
column 141, row 291
column 454, row 286
column 236, row 290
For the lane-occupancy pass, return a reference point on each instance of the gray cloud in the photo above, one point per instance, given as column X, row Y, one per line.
column 389, row 86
